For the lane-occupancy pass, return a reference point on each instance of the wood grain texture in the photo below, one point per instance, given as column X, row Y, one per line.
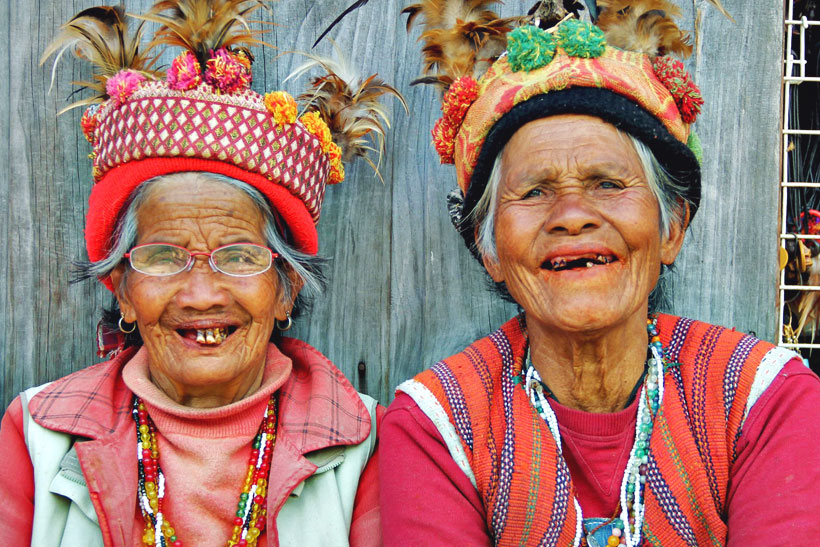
column 404, row 291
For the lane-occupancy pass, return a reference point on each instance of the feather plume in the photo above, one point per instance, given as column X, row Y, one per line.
column 100, row 35
column 461, row 38
column 349, row 104
column 203, row 26
column 645, row 26
column 718, row 6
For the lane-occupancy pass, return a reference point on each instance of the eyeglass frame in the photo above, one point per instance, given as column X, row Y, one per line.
column 192, row 259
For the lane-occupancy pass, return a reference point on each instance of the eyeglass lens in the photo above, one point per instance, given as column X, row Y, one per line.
column 239, row 260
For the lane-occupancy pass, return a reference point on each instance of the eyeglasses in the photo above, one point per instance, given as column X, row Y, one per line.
column 237, row 260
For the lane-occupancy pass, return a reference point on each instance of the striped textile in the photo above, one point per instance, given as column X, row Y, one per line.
column 525, row 483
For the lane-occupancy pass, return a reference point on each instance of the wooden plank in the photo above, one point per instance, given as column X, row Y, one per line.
column 404, row 291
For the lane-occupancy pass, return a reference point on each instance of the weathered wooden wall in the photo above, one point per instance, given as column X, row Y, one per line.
column 404, row 292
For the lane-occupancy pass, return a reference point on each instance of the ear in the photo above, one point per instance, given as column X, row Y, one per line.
column 671, row 244
column 296, row 283
column 490, row 264
column 118, row 280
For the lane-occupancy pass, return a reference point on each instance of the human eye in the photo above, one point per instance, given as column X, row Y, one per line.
column 609, row 184
column 242, row 259
column 158, row 259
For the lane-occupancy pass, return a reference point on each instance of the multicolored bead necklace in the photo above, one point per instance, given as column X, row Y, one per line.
column 251, row 510
column 632, row 486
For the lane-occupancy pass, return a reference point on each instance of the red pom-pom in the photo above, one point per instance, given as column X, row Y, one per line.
column 674, row 77
column 458, row 99
column 444, row 139
column 89, row 123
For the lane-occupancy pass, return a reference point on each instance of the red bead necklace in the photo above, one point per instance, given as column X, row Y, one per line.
column 251, row 511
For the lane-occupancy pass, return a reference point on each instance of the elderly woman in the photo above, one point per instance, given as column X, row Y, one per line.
column 208, row 426
column 588, row 419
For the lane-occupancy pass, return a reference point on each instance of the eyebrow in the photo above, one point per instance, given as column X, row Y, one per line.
column 598, row 170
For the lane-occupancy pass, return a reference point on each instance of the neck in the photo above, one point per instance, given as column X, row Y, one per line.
column 593, row 372
column 212, row 395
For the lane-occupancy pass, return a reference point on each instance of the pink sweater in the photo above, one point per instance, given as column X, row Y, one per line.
column 772, row 499
column 199, row 503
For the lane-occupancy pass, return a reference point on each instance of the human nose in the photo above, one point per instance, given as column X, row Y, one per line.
column 202, row 286
column 571, row 213
column 192, row 260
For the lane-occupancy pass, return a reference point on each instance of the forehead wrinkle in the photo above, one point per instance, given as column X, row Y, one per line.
column 192, row 222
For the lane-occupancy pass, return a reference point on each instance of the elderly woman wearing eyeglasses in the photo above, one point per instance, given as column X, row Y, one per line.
column 207, row 427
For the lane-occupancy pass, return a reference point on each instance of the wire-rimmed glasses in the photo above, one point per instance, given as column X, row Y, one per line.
column 236, row 259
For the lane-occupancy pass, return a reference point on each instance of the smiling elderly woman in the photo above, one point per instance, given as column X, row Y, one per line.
column 207, row 427
column 588, row 419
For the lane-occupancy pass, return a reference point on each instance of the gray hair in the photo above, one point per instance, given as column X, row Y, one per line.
column 666, row 189
column 308, row 267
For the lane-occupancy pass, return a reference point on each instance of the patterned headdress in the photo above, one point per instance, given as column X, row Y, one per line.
column 499, row 74
column 201, row 114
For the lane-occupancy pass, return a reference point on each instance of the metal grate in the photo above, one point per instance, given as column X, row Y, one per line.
column 794, row 184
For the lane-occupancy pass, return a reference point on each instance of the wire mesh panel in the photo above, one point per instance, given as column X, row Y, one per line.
column 799, row 293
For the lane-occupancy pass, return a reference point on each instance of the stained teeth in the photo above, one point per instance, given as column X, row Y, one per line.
column 590, row 264
column 211, row 336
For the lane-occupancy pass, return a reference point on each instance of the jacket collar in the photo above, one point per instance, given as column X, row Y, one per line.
column 319, row 408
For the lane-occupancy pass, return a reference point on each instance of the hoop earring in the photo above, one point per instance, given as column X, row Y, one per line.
column 288, row 323
column 119, row 324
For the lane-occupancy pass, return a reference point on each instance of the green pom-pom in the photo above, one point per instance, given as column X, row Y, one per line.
column 581, row 39
column 529, row 48
column 695, row 146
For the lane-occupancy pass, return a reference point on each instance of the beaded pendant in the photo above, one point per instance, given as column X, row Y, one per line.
column 626, row 528
column 251, row 510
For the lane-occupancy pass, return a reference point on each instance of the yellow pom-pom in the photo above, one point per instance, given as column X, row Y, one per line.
column 337, row 172
column 337, row 168
column 281, row 106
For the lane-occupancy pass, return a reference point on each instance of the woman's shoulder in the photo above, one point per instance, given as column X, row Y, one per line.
column 318, row 395
column 86, row 403
column 688, row 340
column 486, row 357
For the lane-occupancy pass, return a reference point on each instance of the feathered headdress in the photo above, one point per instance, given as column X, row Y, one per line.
column 204, row 27
column 101, row 36
column 202, row 115
column 350, row 105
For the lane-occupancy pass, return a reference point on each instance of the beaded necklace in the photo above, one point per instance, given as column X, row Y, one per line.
column 634, row 479
column 249, row 520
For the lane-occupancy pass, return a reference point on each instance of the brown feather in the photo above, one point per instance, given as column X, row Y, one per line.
column 461, row 37
column 349, row 104
column 202, row 26
column 644, row 26
column 100, row 35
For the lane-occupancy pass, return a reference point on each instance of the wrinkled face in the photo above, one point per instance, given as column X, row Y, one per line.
column 172, row 312
column 577, row 226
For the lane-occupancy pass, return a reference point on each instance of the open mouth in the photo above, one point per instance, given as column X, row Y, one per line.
column 207, row 337
column 559, row 263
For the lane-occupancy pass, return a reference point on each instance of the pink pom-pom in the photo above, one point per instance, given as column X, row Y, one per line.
column 185, row 72
column 121, row 85
column 227, row 72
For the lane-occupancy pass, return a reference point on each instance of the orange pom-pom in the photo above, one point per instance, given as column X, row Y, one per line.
column 281, row 106
column 314, row 123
